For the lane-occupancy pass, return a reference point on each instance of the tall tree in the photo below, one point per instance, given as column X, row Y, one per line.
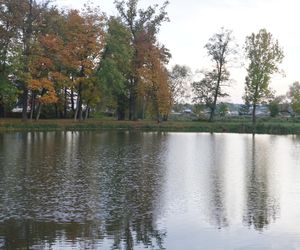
column 143, row 26
column 154, row 85
column 10, row 23
column 20, row 24
column 53, row 40
column 115, row 66
column 220, row 49
column 30, row 27
column 83, row 47
column 264, row 55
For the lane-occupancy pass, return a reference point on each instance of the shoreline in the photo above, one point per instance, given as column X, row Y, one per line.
column 227, row 126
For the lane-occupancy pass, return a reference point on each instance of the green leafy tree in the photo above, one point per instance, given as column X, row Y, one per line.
column 205, row 91
column 8, row 96
column 11, row 20
column 115, row 66
column 294, row 97
column 220, row 48
column 264, row 55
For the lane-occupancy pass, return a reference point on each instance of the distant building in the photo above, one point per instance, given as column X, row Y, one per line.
column 187, row 111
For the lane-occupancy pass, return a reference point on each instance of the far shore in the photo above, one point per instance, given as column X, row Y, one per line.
column 263, row 126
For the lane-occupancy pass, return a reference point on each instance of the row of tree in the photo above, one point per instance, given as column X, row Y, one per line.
column 263, row 54
column 70, row 62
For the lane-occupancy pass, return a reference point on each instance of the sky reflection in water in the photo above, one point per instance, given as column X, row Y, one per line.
column 158, row 190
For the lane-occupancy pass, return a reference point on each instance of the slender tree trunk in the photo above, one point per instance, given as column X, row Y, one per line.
column 144, row 107
column 158, row 118
column 133, row 101
column 72, row 100
column 65, row 102
column 213, row 110
column 38, row 113
column 77, row 109
column 121, row 107
column 26, row 42
column 254, row 114
column 212, row 114
column 80, row 112
column 87, row 111
column 56, row 110
column 132, row 107
column 32, row 105
column 24, row 103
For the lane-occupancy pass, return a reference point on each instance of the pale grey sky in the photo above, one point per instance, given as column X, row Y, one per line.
column 193, row 22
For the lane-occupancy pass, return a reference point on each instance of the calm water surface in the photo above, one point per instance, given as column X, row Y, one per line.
column 134, row 190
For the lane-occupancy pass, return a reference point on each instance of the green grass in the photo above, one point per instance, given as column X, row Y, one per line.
column 236, row 125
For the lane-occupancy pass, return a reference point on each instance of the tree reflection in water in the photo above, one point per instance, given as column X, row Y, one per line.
column 217, row 202
column 261, row 207
column 89, row 186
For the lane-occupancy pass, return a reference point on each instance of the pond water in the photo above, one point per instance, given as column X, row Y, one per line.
column 135, row 190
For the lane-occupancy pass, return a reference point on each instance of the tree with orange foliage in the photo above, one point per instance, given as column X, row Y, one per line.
column 143, row 26
column 155, row 88
column 43, row 93
column 42, row 68
column 82, row 51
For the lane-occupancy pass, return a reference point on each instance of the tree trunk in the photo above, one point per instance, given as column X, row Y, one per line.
column 24, row 103
column 72, row 100
column 132, row 107
column 121, row 107
column 56, row 110
column 144, row 107
column 212, row 114
column 87, row 111
column 254, row 114
column 80, row 112
column 77, row 109
column 65, row 102
column 32, row 105
column 39, row 111
column 28, row 31
column 158, row 118
column 133, row 101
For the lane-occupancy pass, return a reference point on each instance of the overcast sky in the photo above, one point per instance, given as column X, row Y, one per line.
column 193, row 22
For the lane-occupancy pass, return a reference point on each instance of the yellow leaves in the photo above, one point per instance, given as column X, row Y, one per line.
column 34, row 85
column 48, row 98
column 154, row 81
column 45, row 89
column 51, row 43
column 84, row 41
column 59, row 77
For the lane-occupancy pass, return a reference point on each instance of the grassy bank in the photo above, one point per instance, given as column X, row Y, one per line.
column 269, row 126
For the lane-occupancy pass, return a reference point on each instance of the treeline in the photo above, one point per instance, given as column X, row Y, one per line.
column 68, row 62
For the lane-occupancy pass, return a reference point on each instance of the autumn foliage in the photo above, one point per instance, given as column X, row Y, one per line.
column 67, row 63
